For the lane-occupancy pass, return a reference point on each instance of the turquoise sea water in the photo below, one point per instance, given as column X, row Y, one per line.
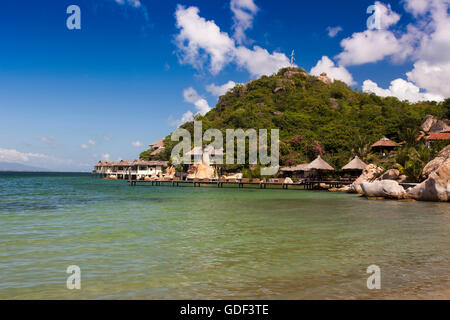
column 206, row 243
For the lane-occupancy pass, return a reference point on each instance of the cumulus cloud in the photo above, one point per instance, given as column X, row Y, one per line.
column 35, row 159
column 417, row 7
column 259, row 61
column 84, row 146
column 12, row 155
column 191, row 96
column 201, row 42
column 220, row 90
column 334, row 72
column 368, row 46
column 433, row 77
column 332, row 32
column 137, row 144
column 244, row 12
column 401, row 89
column 425, row 41
column 372, row 45
column 91, row 142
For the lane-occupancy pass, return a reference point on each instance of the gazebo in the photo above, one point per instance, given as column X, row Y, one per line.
column 384, row 144
column 355, row 167
column 319, row 165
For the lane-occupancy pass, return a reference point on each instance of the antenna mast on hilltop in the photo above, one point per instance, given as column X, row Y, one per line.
column 292, row 59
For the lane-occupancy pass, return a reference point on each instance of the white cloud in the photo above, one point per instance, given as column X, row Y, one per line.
column 387, row 16
column 191, row 96
column 243, row 13
column 84, row 146
column 91, row 142
column 417, row 7
column 36, row 159
column 401, row 89
column 12, row 155
column 133, row 3
column 199, row 39
column 332, row 32
column 259, row 61
column 48, row 140
column 201, row 42
column 368, row 46
column 186, row 117
column 220, row 90
column 137, row 144
column 433, row 77
column 106, row 156
column 333, row 72
column 373, row 45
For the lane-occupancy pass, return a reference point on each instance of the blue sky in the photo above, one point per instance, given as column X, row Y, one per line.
column 137, row 67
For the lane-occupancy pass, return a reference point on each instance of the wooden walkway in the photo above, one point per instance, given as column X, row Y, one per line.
column 306, row 185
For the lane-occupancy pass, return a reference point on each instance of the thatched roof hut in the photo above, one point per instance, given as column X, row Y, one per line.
column 157, row 151
column 384, row 142
column 355, row 164
column 153, row 163
column 157, row 144
column 320, row 164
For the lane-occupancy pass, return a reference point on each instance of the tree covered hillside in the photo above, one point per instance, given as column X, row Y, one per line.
column 315, row 116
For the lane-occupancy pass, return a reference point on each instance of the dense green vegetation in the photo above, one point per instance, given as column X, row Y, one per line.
column 315, row 118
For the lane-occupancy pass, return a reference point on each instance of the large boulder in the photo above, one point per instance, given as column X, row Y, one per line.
column 391, row 174
column 436, row 187
column 369, row 174
column 324, row 78
column 432, row 124
column 434, row 164
column 389, row 189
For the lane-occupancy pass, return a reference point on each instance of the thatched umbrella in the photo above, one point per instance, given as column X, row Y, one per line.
column 320, row 164
column 355, row 165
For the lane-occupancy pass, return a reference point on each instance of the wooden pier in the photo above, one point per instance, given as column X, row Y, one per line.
column 304, row 185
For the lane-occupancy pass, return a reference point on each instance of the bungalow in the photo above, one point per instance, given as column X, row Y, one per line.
column 384, row 145
column 157, row 147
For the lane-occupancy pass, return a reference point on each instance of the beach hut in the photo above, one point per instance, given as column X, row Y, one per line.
column 384, row 145
column 320, row 166
column 355, row 167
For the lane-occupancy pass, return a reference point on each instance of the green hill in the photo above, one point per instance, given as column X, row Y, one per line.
column 314, row 116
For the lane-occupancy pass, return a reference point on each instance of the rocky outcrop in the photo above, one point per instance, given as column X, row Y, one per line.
column 170, row 172
column 388, row 189
column 369, row 174
column 434, row 164
column 236, row 176
column 290, row 73
column 324, row 78
column 403, row 179
column 288, row 181
column 436, row 187
column 279, row 89
column 391, row 174
column 432, row 124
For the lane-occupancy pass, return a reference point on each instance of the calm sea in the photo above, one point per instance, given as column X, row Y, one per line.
column 206, row 243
